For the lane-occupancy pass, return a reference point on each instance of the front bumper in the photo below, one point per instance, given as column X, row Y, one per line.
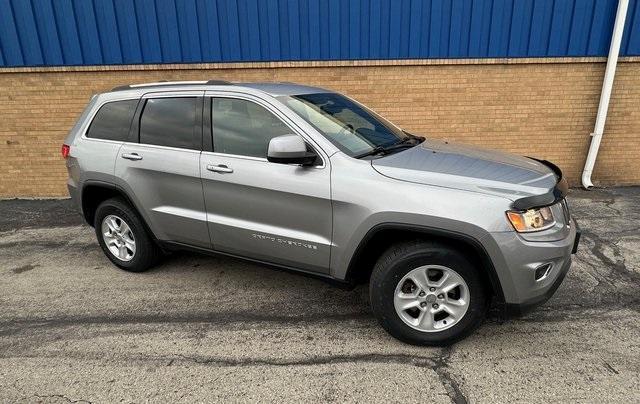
column 521, row 290
column 518, row 309
column 576, row 241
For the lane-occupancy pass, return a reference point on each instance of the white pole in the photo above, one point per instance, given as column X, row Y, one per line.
column 605, row 95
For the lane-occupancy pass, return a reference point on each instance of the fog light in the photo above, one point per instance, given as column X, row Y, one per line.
column 542, row 271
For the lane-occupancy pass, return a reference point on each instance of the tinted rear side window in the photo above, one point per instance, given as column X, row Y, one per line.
column 169, row 122
column 113, row 120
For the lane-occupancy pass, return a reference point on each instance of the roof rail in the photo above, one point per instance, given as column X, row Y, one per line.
column 171, row 83
column 120, row 88
column 219, row 82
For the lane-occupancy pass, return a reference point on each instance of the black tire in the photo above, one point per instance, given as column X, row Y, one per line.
column 398, row 261
column 147, row 253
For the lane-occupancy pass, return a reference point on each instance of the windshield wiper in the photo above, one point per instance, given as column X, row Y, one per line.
column 411, row 140
column 372, row 152
column 411, row 135
column 406, row 142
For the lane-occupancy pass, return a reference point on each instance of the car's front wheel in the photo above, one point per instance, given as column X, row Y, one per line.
column 123, row 237
column 426, row 293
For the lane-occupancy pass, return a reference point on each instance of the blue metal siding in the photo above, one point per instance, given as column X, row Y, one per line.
column 91, row 32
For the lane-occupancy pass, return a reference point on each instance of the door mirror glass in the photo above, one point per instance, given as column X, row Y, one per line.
column 290, row 149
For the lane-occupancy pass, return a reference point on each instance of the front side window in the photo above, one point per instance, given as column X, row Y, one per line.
column 169, row 122
column 243, row 127
column 345, row 123
column 112, row 121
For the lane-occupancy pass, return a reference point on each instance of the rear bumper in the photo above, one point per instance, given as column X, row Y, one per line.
column 74, row 193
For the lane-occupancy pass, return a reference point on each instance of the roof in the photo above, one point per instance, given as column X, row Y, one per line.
column 272, row 88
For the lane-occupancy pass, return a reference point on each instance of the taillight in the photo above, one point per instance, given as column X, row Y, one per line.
column 66, row 149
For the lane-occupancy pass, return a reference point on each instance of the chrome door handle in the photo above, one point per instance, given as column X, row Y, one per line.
column 219, row 168
column 132, row 156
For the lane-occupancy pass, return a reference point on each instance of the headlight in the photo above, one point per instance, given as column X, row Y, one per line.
column 532, row 219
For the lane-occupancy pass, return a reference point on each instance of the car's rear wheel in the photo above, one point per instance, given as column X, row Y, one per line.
column 123, row 237
column 426, row 293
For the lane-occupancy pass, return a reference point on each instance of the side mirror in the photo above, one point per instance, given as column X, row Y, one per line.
column 290, row 149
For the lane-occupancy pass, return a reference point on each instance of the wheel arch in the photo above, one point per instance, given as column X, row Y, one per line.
column 95, row 192
column 377, row 238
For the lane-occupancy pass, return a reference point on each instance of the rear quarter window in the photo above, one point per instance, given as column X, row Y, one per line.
column 112, row 121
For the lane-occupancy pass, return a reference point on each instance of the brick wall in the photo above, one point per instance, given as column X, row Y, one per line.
column 538, row 107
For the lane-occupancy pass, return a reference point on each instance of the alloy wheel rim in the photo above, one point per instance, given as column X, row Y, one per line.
column 118, row 237
column 431, row 298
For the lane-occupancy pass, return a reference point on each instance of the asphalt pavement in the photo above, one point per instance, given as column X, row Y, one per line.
column 74, row 328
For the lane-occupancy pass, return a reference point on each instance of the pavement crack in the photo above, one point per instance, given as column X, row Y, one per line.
column 61, row 396
column 24, row 268
column 559, row 314
column 401, row 359
column 441, row 367
column 618, row 265
column 20, row 325
column 610, row 368
column 609, row 204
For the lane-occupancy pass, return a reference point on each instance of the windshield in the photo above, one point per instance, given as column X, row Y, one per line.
column 353, row 128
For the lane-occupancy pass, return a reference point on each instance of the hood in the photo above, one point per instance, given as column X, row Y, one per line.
column 470, row 168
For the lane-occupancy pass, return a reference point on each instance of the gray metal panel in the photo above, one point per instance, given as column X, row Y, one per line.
column 468, row 167
column 273, row 212
column 166, row 185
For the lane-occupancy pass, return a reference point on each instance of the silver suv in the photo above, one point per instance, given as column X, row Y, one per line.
column 310, row 180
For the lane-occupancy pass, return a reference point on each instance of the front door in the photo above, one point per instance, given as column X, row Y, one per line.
column 267, row 211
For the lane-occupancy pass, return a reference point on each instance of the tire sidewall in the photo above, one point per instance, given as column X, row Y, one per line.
column 117, row 208
column 384, row 286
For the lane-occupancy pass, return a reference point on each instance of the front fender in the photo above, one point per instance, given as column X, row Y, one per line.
column 471, row 236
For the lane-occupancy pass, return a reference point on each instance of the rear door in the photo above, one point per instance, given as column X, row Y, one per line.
column 271, row 212
column 160, row 167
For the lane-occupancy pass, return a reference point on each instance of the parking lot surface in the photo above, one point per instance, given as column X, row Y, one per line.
column 74, row 328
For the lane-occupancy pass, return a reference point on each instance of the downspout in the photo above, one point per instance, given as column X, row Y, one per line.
column 605, row 95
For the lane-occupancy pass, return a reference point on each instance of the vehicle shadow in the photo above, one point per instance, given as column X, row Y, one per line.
column 251, row 286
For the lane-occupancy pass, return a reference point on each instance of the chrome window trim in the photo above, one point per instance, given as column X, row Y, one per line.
column 144, row 145
column 261, row 159
column 235, row 156
column 92, row 139
column 157, row 146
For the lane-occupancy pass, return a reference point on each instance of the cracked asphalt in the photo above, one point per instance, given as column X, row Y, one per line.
column 73, row 328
